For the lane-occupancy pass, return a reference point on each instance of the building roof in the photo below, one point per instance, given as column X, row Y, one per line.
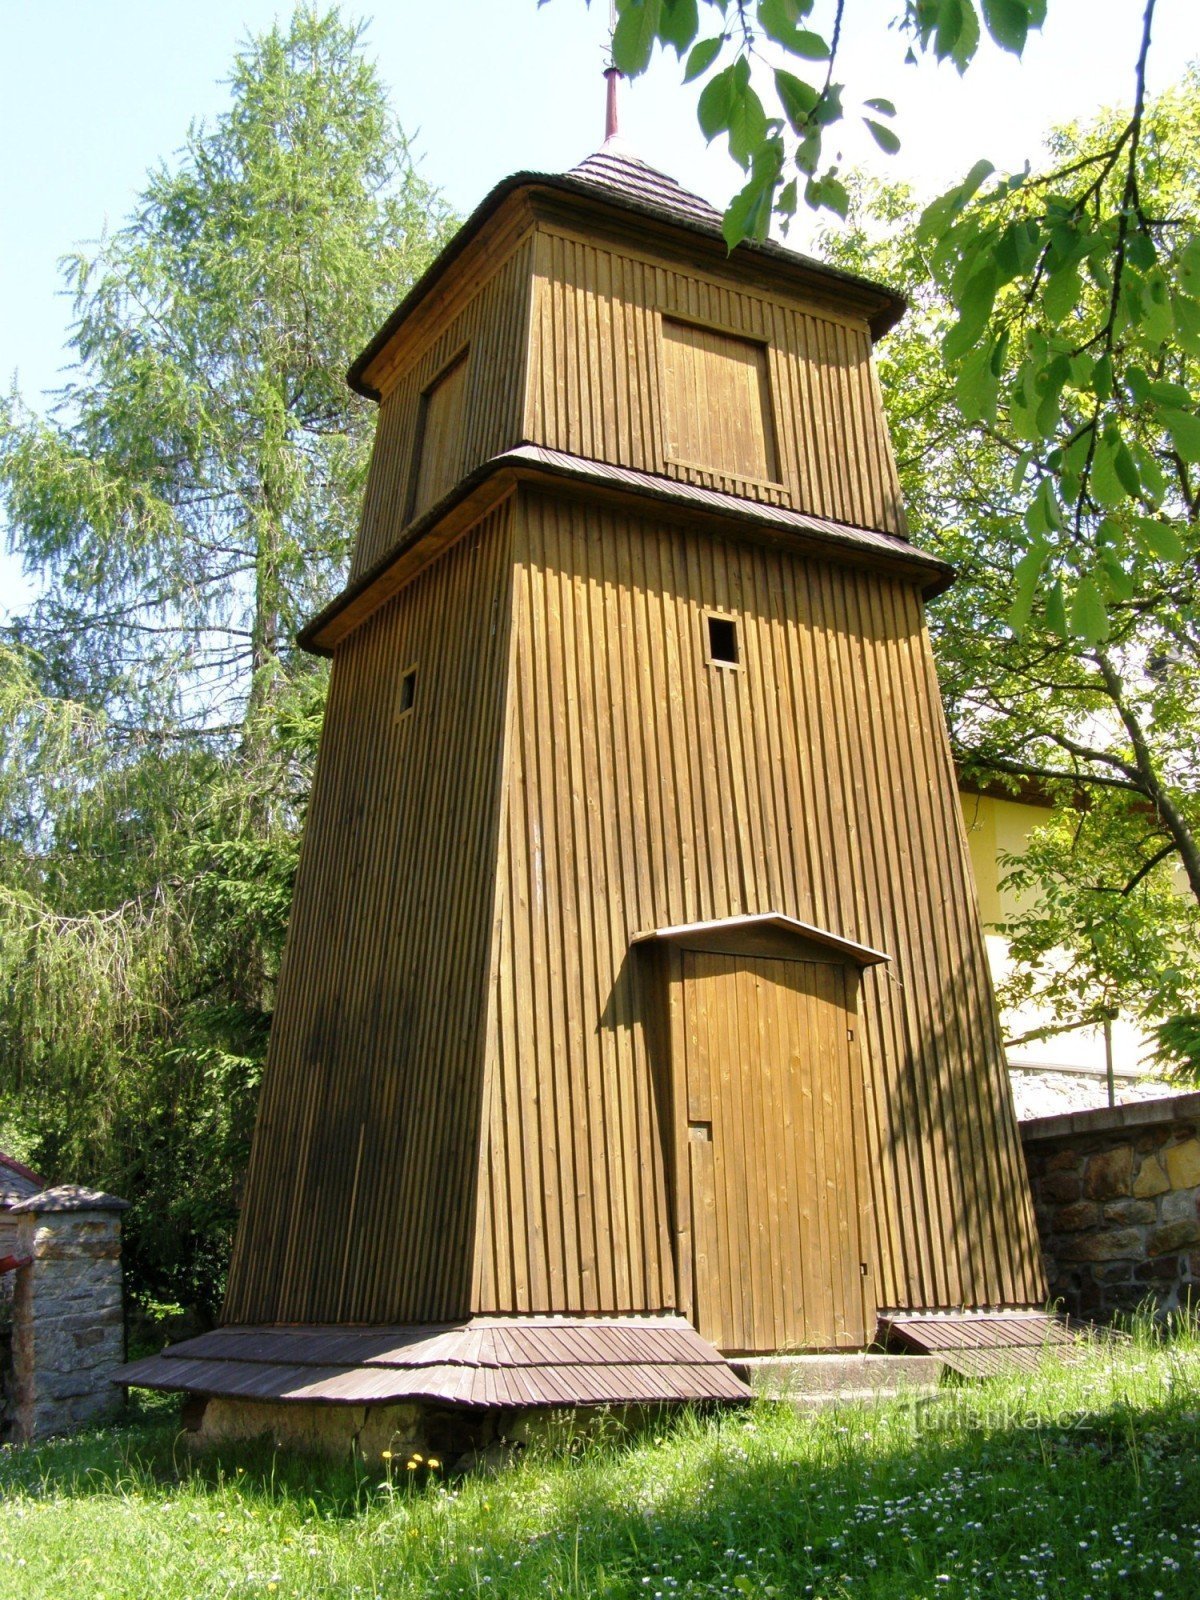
column 734, row 934
column 17, row 1182
column 616, row 170
column 613, row 174
column 530, row 462
column 486, row 1361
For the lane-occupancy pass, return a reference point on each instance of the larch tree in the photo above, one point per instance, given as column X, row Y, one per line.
column 189, row 498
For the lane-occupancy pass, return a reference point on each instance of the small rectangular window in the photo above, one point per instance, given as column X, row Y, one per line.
column 408, row 693
column 722, row 641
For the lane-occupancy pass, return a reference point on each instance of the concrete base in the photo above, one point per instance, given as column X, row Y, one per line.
column 817, row 1380
column 459, row 1439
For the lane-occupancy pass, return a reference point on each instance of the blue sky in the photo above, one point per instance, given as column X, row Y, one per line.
column 94, row 92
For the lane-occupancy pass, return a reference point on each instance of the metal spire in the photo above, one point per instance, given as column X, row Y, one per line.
column 611, row 74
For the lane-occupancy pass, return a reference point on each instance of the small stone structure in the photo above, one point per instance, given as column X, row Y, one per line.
column 66, row 1327
column 1117, row 1196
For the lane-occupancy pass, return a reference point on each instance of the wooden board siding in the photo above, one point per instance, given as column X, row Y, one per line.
column 646, row 789
column 762, row 1055
column 491, row 331
column 596, row 378
column 359, row 1201
column 437, row 447
column 717, row 404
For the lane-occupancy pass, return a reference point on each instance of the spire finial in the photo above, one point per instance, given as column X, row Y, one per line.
column 611, row 74
column 610, row 109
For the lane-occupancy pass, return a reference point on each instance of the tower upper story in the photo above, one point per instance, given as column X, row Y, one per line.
column 599, row 314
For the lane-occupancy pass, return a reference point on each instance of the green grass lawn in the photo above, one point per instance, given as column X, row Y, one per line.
column 1080, row 1482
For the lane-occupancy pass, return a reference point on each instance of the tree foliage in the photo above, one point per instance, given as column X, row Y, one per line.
column 1095, row 697
column 1055, row 281
column 189, row 498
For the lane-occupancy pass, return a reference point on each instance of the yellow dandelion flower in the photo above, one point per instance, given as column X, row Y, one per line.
column 412, row 1466
column 433, row 1462
column 385, row 1455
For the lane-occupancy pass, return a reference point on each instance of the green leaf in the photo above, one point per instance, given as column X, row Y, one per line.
column 1168, row 394
column 829, row 105
column 679, row 23
column 1056, row 609
column 1008, row 23
column 1061, row 294
column 1020, row 468
column 796, row 97
column 1184, row 428
column 1126, row 470
column 1154, row 485
column 957, row 33
column 809, row 46
column 1139, row 249
column 1025, row 579
column 715, row 106
column 885, row 108
column 1138, row 384
column 1106, row 487
column 778, row 18
column 976, row 386
column 702, row 57
column 1049, row 387
column 1089, row 616
column 1118, row 581
column 942, row 211
column 883, row 137
column 827, row 193
column 747, row 126
column 1158, row 538
column 1186, row 312
column 749, row 214
column 975, row 310
column 633, row 37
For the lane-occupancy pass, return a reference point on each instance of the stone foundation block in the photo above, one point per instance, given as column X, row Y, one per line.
column 1183, row 1164
column 1108, row 1174
column 1151, row 1179
column 1172, row 1236
column 1112, row 1245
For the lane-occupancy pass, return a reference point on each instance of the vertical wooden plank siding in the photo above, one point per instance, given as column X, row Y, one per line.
column 437, row 448
column 360, row 1198
column 596, row 379
column 717, row 406
column 491, row 332
column 645, row 789
column 765, row 1051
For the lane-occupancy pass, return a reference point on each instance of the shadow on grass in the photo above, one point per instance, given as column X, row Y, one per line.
column 1081, row 1482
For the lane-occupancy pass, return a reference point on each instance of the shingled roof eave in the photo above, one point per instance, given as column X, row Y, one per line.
column 891, row 304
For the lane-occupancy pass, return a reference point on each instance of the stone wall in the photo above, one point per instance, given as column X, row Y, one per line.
column 1117, row 1195
column 68, row 1329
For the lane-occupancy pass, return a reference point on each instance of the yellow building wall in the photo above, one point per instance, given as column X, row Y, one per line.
column 996, row 829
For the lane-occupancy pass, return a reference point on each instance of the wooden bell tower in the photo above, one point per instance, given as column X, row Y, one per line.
column 635, row 986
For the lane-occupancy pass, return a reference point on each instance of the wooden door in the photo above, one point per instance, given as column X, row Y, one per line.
column 764, row 1053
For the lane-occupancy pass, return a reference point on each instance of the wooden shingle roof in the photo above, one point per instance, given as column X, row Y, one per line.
column 624, row 176
column 487, row 1361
